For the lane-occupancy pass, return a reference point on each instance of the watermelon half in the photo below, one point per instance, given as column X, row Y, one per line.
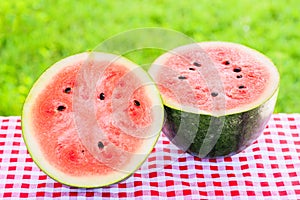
column 91, row 119
column 218, row 96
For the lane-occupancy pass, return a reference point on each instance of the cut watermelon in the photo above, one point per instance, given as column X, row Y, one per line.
column 218, row 96
column 92, row 119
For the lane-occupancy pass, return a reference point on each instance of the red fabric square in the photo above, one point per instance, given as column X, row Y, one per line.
column 264, row 184
column 187, row 192
column 290, row 166
column 293, row 127
column 122, row 194
column 268, row 141
column 12, row 168
column 122, row 185
column 215, row 175
column 277, row 174
column 242, row 159
column 198, row 167
column 266, row 193
column 234, row 193
column 200, row 175
column 7, row 194
column 183, row 167
column 169, row 182
column 279, row 126
column 233, row 183
column 137, row 183
column 13, row 160
column 243, row 167
column 152, row 174
column 279, row 183
column 259, row 165
column 246, row 174
column 257, row 156
column 90, row 194
column 73, row 194
column 10, row 176
column 270, row 148
column 262, row 175
column 185, row 183
column 171, row 193
column 42, row 177
column 56, row 194
column 138, row 193
column 202, row 193
column 105, row 194
column 154, row 184
column 184, row 176
column 249, row 183
column 217, row 183
column 295, row 183
column 154, row 193
column 41, row 185
column 40, row 194
column 57, row 185
column 251, row 193
column 25, row 185
column 219, row 193
column 9, row 185
column 293, row 174
column 283, row 193
column 288, row 157
column 201, row 184
column 282, row 141
column 23, row 195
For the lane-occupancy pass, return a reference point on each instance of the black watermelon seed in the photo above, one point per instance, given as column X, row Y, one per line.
column 196, row 64
column 61, row 108
column 182, row 77
column 214, row 94
column 100, row 145
column 137, row 103
column 102, row 96
column 67, row 90
column 191, row 68
column 239, row 76
column 226, row 62
column 237, row 69
column 241, row 86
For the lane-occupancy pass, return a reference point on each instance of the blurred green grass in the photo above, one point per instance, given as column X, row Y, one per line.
column 35, row 34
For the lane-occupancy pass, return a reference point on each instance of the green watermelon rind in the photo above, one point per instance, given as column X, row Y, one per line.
column 238, row 131
column 26, row 122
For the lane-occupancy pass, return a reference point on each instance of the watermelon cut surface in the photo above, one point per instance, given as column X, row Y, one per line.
column 92, row 119
column 218, row 96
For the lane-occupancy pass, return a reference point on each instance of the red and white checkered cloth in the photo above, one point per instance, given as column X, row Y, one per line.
column 270, row 168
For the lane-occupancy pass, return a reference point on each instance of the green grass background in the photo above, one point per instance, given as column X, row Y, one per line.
column 36, row 33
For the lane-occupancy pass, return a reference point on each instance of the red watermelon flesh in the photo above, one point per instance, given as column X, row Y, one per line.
column 200, row 75
column 101, row 148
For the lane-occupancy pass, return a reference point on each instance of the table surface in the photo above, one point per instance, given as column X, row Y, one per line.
column 269, row 168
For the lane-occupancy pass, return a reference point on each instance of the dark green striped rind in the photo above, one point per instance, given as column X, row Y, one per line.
column 208, row 136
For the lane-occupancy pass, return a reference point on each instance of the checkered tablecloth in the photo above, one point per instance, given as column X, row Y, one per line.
column 270, row 168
